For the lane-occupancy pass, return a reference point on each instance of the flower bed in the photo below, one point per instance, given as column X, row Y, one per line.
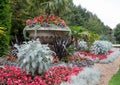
column 57, row 75
column 111, row 57
column 100, row 58
column 89, row 76
column 37, row 61
column 11, row 75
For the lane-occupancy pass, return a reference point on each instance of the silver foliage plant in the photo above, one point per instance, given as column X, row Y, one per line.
column 101, row 47
column 110, row 58
column 83, row 45
column 89, row 76
column 34, row 57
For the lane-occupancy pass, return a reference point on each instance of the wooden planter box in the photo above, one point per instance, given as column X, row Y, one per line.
column 48, row 35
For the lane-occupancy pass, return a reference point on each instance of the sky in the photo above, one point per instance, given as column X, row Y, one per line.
column 106, row 10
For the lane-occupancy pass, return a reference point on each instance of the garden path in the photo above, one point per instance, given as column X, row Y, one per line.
column 108, row 70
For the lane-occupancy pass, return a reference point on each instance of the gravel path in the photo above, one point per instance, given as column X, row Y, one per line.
column 108, row 70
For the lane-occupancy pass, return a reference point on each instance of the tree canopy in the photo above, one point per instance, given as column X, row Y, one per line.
column 117, row 33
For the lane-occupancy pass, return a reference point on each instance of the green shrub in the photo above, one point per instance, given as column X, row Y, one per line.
column 5, row 21
column 77, row 28
column 3, row 42
column 81, row 34
column 101, row 47
column 88, row 37
column 34, row 57
column 82, row 45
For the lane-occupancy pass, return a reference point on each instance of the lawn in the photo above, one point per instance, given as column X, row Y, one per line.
column 115, row 80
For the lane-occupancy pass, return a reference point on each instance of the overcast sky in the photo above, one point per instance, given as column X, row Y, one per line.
column 107, row 10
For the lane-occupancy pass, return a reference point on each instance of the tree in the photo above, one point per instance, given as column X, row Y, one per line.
column 117, row 33
column 94, row 24
column 22, row 10
column 5, row 23
column 74, row 16
column 55, row 6
column 79, row 16
column 108, row 34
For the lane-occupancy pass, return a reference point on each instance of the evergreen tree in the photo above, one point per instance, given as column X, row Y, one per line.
column 95, row 25
column 117, row 33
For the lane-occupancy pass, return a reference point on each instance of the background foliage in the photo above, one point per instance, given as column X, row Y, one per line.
column 73, row 15
column 27, row 9
column 117, row 33
column 5, row 22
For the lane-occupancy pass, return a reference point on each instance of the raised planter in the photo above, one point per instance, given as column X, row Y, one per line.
column 47, row 35
column 46, row 28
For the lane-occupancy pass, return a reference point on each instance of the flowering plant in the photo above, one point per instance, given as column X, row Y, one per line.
column 10, row 75
column 46, row 21
column 57, row 74
column 80, row 60
column 91, row 55
column 89, row 76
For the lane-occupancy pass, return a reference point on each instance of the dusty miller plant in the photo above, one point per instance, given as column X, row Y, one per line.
column 34, row 57
column 82, row 45
column 90, row 76
column 101, row 47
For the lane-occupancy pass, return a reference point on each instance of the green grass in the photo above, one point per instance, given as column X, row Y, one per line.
column 115, row 80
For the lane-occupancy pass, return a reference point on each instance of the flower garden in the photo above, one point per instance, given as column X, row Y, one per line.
column 68, row 61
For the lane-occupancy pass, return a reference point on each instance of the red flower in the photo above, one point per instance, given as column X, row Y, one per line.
column 11, row 75
column 90, row 54
column 58, row 74
column 35, row 19
column 51, row 19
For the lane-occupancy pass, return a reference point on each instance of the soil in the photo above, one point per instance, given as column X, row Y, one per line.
column 108, row 70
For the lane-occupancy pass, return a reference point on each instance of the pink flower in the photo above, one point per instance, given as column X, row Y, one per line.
column 28, row 22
